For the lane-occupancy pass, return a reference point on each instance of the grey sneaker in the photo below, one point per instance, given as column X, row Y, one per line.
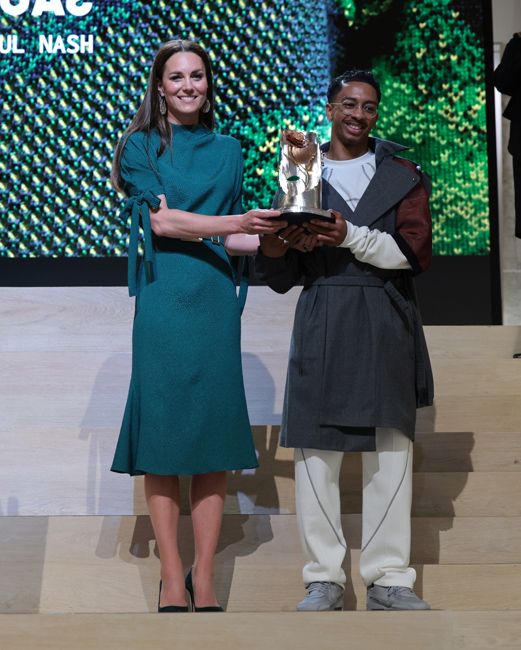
column 322, row 597
column 397, row 598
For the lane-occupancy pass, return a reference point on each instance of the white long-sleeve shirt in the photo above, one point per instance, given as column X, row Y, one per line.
column 350, row 179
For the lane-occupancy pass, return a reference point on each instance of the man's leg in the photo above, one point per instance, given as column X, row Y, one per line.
column 317, row 497
column 386, row 523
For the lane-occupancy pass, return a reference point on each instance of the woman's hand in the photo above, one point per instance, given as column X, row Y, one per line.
column 329, row 234
column 191, row 226
column 261, row 222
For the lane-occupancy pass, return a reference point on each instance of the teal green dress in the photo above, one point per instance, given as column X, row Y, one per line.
column 186, row 409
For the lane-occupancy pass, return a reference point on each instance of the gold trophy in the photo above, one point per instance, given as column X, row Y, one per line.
column 299, row 198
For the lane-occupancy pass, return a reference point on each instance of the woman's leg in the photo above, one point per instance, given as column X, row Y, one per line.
column 207, row 492
column 162, row 495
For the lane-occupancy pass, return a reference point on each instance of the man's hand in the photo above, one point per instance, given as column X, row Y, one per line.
column 329, row 234
column 302, row 240
column 290, row 237
column 277, row 245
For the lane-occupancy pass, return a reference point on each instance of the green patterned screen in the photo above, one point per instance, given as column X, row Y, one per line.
column 73, row 74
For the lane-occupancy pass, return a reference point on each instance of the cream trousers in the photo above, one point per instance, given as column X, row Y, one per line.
column 386, row 512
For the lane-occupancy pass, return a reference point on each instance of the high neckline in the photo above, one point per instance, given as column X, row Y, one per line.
column 188, row 127
column 197, row 130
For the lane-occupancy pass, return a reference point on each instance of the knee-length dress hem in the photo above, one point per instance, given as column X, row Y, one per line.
column 174, row 472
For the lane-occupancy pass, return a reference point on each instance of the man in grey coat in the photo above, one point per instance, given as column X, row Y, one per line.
column 359, row 366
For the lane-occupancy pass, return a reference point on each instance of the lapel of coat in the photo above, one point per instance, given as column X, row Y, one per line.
column 391, row 182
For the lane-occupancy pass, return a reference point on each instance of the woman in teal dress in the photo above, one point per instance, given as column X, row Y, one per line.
column 186, row 409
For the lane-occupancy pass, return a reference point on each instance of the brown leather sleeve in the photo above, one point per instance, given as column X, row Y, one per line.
column 414, row 225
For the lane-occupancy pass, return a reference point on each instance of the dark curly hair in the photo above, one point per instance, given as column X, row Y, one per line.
column 365, row 76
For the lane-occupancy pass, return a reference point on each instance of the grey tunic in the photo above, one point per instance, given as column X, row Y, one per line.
column 358, row 358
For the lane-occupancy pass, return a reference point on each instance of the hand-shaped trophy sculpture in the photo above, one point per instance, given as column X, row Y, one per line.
column 300, row 178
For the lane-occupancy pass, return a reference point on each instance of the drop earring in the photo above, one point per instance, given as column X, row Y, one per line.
column 206, row 106
column 162, row 105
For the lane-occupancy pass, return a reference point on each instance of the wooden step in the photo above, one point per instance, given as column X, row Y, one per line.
column 65, row 360
column 40, row 317
column 458, row 451
column 483, row 494
column 455, row 587
column 89, row 387
column 440, row 494
column 477, row 413
column 481, row 479
column 278, row 631
column 465, row 451
column 92, row 564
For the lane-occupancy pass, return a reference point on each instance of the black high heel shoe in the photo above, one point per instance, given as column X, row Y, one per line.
column 190, row 589
column 169, row 609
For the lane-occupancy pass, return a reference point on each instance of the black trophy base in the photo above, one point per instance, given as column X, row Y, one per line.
column 298, row 216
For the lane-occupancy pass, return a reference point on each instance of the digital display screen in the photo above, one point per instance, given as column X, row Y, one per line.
column 73, row 74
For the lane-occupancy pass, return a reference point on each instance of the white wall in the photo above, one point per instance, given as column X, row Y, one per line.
column 506, row 17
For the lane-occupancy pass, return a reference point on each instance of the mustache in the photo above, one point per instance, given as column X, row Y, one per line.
column 361, row 123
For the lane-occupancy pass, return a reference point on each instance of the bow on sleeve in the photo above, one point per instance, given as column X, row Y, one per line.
column 138, row 207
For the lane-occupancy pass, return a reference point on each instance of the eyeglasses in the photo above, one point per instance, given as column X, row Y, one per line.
column 349, row 107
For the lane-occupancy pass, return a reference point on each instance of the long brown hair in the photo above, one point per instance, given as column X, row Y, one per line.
column 149, row 116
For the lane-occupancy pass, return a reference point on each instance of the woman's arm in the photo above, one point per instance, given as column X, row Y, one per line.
column 239, row 244
column 139, row 174
column 166, row 222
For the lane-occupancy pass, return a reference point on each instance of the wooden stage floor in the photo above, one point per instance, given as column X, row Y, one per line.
column 75, row 539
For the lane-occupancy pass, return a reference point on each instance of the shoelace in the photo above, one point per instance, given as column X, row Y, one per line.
column 398, row 589
column 321, row 587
